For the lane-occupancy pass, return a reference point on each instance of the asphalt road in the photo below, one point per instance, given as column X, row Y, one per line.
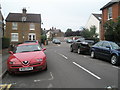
column 67, row 70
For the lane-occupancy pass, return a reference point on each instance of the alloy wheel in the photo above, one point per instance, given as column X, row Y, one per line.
column 79, row 51
column 92, row 54
column 114, row 60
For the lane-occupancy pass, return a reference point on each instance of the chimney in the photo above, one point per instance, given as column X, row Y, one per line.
column 24, row 15
column 24, row 11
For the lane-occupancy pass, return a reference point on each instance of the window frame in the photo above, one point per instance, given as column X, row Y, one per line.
column 14, row 39
column 110, row 13
column 14, row 25
column 32, row 26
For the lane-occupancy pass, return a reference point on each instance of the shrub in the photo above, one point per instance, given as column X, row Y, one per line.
column 5, row 42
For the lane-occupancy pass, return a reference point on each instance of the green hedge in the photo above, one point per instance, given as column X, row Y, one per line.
column 5, row 42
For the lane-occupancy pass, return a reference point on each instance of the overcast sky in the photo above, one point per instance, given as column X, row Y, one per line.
column 62, row 14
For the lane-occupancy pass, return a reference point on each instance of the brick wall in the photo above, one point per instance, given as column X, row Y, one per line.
column 23, row 28
column 115, row 14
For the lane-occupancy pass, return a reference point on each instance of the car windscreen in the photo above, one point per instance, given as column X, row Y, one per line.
column 27, row 48
column 57, row 40
column 30, row 42
column 114, row 46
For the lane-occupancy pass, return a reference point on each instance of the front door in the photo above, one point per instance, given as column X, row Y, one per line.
column 32, row 36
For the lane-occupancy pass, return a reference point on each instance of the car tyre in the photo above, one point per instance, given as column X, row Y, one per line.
column 71, row 49
column 92, row 54
column 46, row 68
column 10, row 73
column 114, row 60
column 79, row 51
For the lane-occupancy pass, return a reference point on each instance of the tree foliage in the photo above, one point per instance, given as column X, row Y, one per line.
column 89, row 34
column 43, row 36
column 69, row 32
column 112, row 30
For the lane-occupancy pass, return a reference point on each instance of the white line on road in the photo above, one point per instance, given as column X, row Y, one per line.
column 84, row 56
column 51, row 76
column 116, row 67
column 87, row 70
column 63, row 56
column 50, row 86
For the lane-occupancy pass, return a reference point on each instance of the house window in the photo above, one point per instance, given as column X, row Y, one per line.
column 32, row 36
column 110, row 13
column 32, row 26
column 14, row 26
column 14, row 36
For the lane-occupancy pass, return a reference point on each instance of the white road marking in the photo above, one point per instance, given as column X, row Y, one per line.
column 63, row 56
column 58, row 45
column 116, row 67
column 87, row 70
column 37, row 80
column 50, row 86
column 51, row 78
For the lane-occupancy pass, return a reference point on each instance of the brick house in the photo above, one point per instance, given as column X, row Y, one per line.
column 110, row 11
column 23, row 26
column 53, row 33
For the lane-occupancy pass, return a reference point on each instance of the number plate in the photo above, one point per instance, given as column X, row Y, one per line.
column 26, row 69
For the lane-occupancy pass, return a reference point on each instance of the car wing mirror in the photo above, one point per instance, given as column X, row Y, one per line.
column 10, row 52
column 43, row 49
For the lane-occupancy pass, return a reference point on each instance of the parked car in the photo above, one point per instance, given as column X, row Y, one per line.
column 81, row 45
column 69, row 41
column 106, row 50
column 118, row 43
column 56, row 41
column 27, row 57
column 53, row 40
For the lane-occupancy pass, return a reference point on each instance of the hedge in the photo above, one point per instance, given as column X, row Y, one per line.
column 5, row 42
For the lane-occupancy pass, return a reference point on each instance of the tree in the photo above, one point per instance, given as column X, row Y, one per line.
column 112, row 30
column 93, row 33
column 90, row 34
column 117, row 30
column 69, row 30
column 43, row 36
column 85, row 33
column 109, row 30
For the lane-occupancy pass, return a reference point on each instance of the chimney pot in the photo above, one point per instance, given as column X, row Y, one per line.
column 24, row 10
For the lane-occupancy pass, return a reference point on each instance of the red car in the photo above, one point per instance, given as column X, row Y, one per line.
column 27, row 57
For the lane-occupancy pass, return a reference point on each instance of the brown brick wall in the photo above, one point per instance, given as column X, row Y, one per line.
column 23, row 28
column 115, row 14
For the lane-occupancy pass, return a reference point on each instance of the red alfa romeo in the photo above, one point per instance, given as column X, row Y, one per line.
column 28, row 57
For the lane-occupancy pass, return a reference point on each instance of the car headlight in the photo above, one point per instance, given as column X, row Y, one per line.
column 11, row 62
column 39, row 59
